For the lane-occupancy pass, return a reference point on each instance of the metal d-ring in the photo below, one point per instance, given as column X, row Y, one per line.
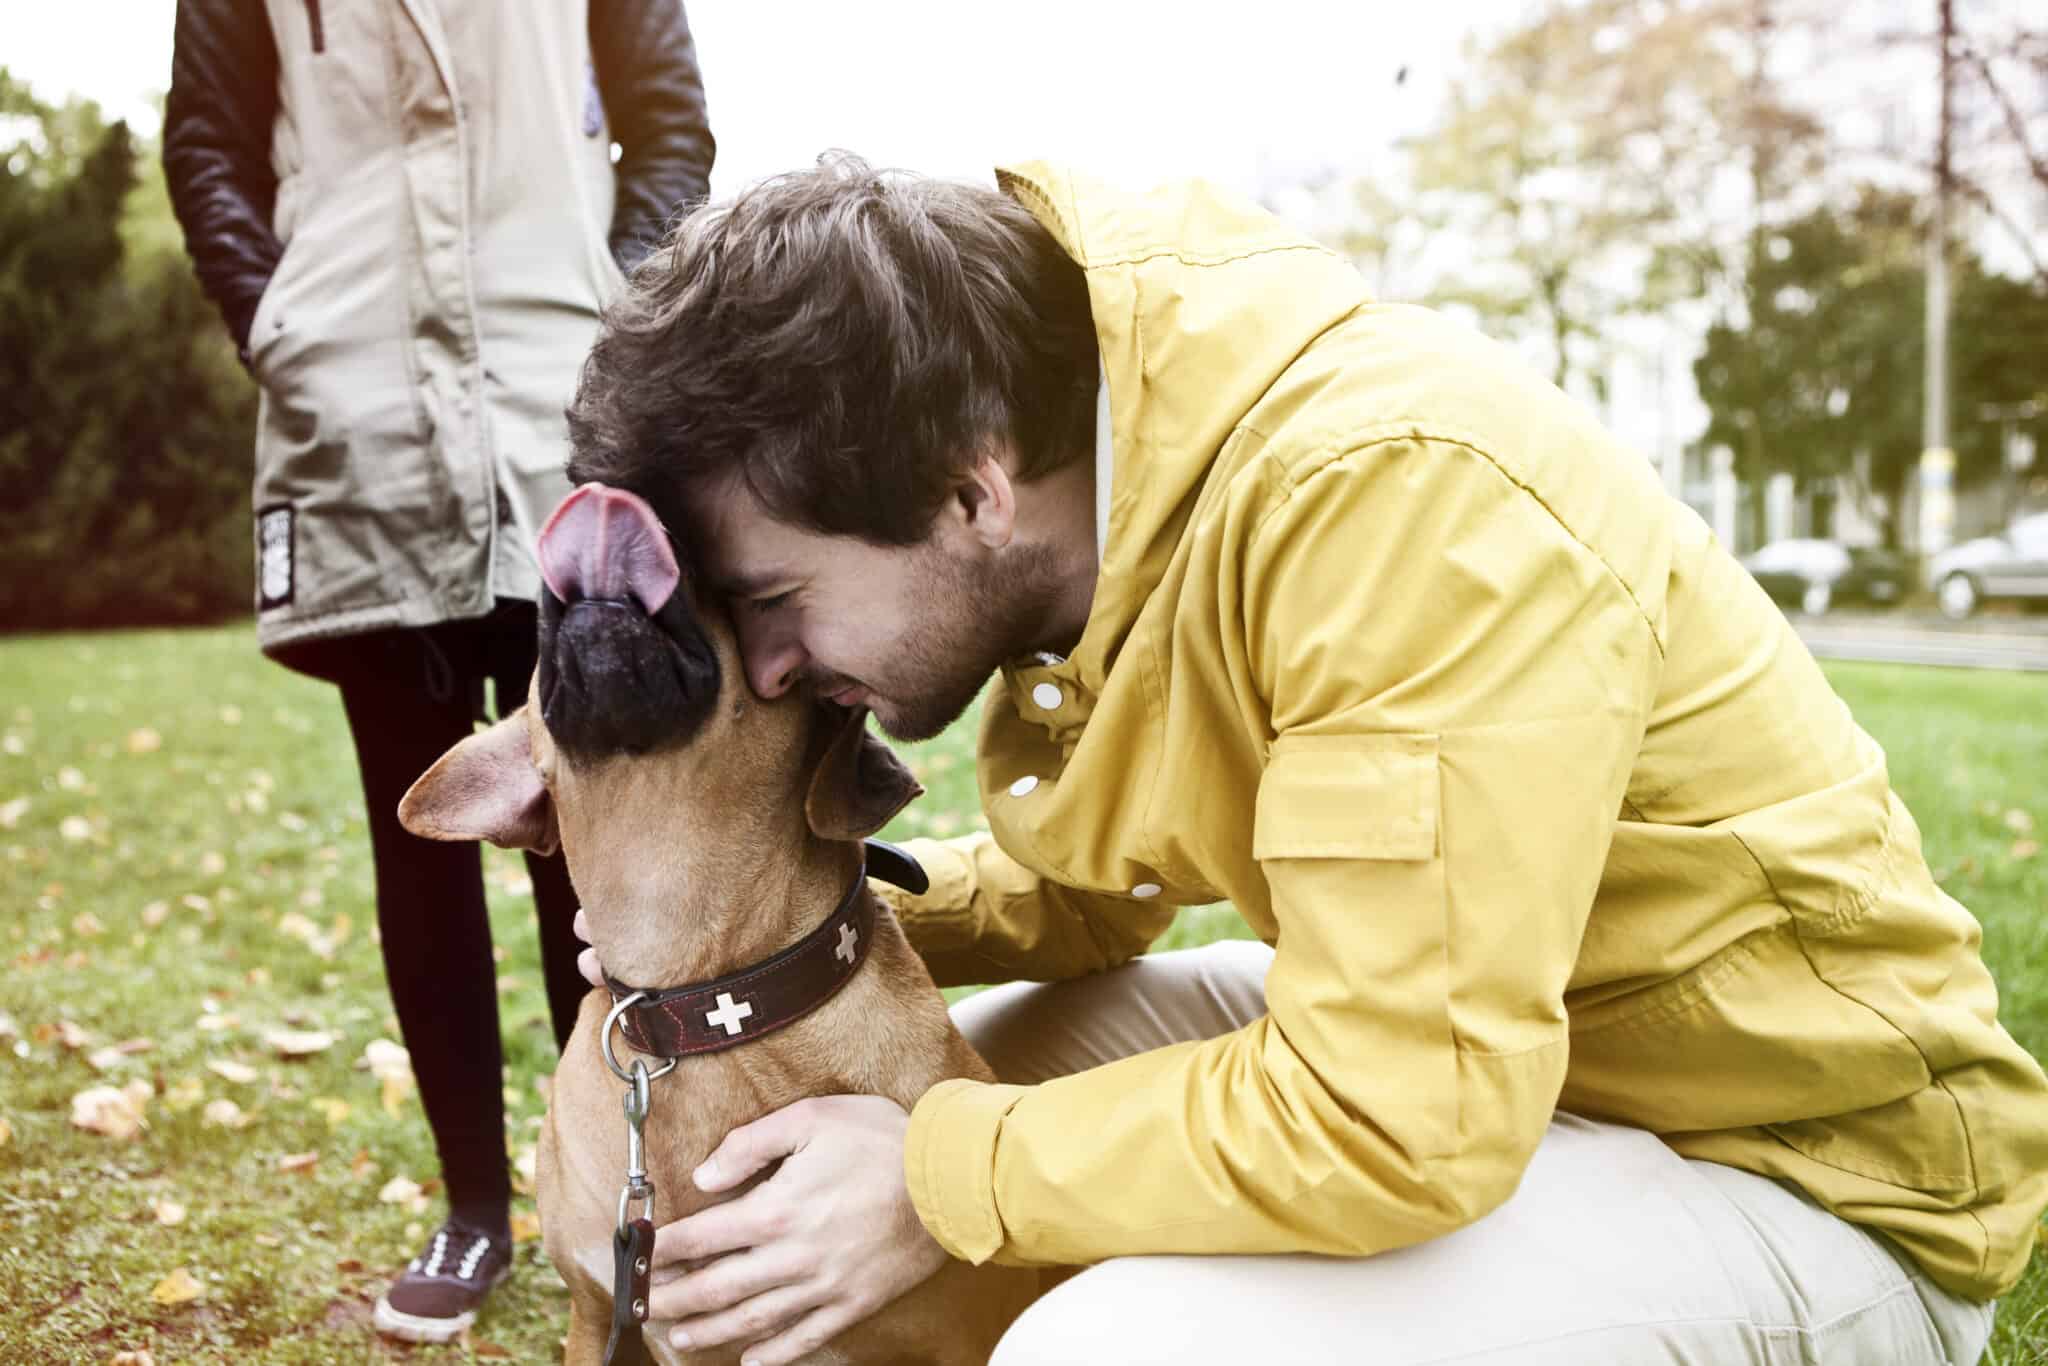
column 611, row 1061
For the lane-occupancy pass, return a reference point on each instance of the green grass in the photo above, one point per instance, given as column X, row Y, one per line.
column 206, row 889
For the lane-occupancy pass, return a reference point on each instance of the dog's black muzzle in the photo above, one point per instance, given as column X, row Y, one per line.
column 614, row 680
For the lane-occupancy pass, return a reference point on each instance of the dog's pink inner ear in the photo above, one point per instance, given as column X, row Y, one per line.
column 485, row 788
column 859, row 785
column 606, row 543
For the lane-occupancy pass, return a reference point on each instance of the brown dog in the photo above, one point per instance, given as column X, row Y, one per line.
column 706, row 831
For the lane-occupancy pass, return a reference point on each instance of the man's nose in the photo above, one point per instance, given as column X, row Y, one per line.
column 774, row 660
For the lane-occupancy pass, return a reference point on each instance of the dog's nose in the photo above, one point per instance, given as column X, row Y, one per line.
column 625, row 664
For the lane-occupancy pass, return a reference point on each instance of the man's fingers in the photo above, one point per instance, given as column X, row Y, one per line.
column 592, row 970
column 750, row 1221
column 751, row 1147
column 763, row 1316
column 580, row 926
column 803, row 1337
column 730, row 1280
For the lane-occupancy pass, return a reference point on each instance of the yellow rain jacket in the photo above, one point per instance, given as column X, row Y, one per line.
column 1538, row 798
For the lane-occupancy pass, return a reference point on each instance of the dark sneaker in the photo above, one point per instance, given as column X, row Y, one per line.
column 438, row 1296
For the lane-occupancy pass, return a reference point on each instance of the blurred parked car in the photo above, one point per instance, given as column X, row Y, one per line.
column 1814, row 574
column 2011, row 564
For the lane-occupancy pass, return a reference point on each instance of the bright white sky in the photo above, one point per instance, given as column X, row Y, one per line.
column 1255, row 94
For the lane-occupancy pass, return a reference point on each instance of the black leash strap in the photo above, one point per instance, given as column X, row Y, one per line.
column 632, row 1257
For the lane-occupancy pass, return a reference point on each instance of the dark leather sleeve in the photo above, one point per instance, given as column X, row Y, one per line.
column 654, row 100
column 217, row 126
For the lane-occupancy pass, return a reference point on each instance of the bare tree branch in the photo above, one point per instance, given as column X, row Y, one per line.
column 2006, row 221
column 2015, row 122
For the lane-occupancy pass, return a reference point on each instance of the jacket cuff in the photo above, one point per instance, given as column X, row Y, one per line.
column 949, row 1163
column 941, row 918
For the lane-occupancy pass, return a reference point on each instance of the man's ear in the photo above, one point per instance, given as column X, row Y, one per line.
column 485, row 788
column 859, row 784
column 985, row 501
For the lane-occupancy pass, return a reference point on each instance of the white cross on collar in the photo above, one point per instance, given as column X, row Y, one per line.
column 848, row 938
column 729, row 1013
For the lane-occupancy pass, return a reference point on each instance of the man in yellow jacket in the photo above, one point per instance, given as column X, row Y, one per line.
column 1610, row 1013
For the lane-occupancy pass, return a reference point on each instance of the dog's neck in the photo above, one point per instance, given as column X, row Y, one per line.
column 676, row 912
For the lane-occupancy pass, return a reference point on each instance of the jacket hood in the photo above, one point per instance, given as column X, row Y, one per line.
column 1200, row 299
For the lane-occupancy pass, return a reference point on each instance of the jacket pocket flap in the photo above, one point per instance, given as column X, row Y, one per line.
column 1348, row 796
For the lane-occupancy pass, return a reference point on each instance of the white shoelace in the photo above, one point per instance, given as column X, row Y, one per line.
column 472, row 1257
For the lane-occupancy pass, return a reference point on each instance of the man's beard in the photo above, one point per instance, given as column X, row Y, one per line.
column 979, row 620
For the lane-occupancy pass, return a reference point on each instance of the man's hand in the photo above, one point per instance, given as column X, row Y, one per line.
column 586, row 961
column 826, row 1241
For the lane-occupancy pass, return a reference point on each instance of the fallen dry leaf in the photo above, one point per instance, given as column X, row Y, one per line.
column 362, row 1164
column 299, row 1043
column 11, row 812
column 399, row 1190
column 2019, row 822
column 239, row 1072
column 75, row 828
column 70, row 779
column 392, row 1066
column 231, row 715
column 224, row 1113
column 192, row 901
column 332, row 1108
column 156, row 913
column 214, row 1024
column 2025, row 849
column 102, row 1059
column 180, row 1287
column 143, row 740
column 6, row 1132
column 115, row 1112
column 525, row 1226
column 298, row 1162
column 295, row 926
column 9, row 1030
column 72, row 1035
column 523, row 1165
column 385, row 1058
column 86, row 925
column 169, row 1212
column 141, row 1356
column 349, row 1266
column 487, row 1350
column 183, row 1094
column 212, row 864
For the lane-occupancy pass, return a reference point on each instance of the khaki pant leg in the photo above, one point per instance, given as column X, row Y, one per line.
column 1613, row 1250
column 1031, row 1033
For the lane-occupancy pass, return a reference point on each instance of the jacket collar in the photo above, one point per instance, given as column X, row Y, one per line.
column 1200, row 300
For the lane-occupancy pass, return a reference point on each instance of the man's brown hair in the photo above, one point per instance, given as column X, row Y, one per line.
column 846, row 342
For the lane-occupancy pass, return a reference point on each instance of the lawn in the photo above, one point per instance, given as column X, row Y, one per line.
column 185, row 900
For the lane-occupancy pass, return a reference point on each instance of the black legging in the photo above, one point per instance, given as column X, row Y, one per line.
column 410, row 695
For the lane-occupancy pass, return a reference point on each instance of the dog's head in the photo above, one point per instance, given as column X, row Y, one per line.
column 640, row 727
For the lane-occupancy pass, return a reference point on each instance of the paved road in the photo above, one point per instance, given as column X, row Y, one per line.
column 2001, row 641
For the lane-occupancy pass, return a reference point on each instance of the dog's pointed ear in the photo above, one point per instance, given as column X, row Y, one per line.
column 859, row 784
column 485, row 788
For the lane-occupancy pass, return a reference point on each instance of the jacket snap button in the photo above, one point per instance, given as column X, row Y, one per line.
column 1023, row 786
column 1145, row 891
column 1047, row 696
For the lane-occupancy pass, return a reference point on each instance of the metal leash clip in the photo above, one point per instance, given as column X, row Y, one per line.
column 637, row 1187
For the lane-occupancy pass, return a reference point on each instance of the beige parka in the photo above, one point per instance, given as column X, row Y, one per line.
column 444, row 192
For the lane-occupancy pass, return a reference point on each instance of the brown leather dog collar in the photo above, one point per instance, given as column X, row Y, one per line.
column 704, row 1017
